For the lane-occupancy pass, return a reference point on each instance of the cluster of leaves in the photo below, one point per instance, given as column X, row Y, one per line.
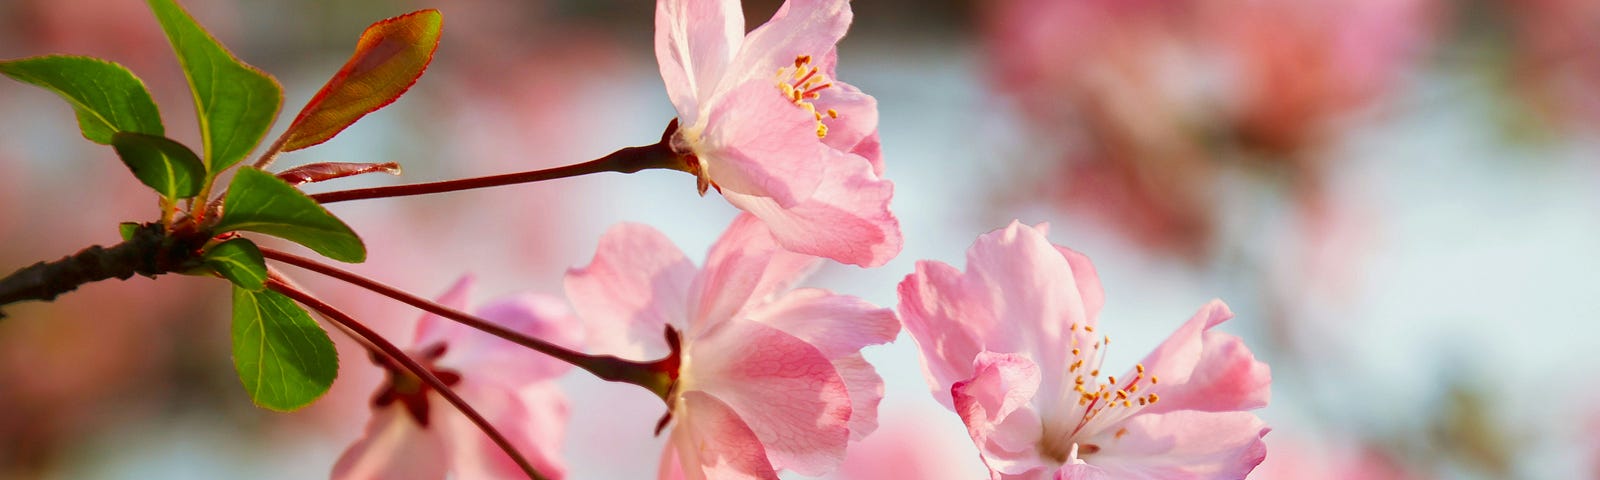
column 284, row 359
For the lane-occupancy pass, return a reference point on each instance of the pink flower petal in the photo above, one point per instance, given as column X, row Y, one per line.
column 533, row 419
column 1034, row 287
column 433, row 329
column 393, row 447
column 994, row 404
column 746, row 267
column 865, row 388
column 838, row 325
column 712, row 441
column 855, row 129
column 759, row 143
column 1183, row 444
column 1081, row 471
column 695, row 42
column 846, row 219
column 636, row 285
column 1209, row 371
column 800, row 27
column 789, row 394
column 1020, row 294
column 510, row 364
column 945, row 323
column 1088, row 280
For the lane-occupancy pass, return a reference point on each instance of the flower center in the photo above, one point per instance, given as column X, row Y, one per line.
column 803, row 83
column 1101, row 396
column 1100, row 403
column 407, row 389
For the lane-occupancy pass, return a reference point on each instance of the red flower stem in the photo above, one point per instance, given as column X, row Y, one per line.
column 627, row 160
column 654, row 376
column 410, row 365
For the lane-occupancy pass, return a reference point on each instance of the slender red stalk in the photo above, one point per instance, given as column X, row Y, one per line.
column 654, row 376
column 411, row 365
column 626, row 160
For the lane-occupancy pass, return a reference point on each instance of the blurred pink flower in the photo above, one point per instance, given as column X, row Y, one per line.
column 771, row 378
column 1299, row 460
column 913, row 442
column 1553, row 65
column 414, row 433
column 1297, row 67
column 1151, row 102
column 1013, row 342
column 765, row 122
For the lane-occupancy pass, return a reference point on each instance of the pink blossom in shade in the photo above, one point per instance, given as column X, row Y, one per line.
column 1553, row 66
column 416, row 434
column 764, row 120
column 1013, row 346
column 771, row 377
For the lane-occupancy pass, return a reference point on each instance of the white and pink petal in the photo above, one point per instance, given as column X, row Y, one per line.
column 847, row 218
column 789, row 393
column 746, row 267
column 394, row 447
column 695, row 42
column 634, row 288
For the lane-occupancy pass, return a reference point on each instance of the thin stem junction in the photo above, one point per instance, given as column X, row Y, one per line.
column 655, row 376
column 626, row 160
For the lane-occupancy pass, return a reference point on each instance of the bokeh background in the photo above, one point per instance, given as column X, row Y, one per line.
column 1397, row 197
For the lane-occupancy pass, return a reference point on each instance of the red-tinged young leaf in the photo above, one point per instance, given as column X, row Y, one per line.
column 389, row 58
column 317, row 172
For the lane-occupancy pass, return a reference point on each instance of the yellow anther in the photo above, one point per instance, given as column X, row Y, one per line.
column 802, row 85
column 1139, row 368
column 1153, row 398
column 1152, row 379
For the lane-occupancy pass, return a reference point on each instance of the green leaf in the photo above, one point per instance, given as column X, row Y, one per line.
column 284, row 359
column 240, row 262
column 260, row 202
column 167, row 166
column 235, row 102
column 127, row 229
column 106, row 96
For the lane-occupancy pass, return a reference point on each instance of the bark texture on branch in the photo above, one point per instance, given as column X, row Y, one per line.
column 151, row 251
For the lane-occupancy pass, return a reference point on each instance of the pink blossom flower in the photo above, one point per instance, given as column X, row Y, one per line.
column 770, row 378
column 415, row 434
column 763, row 119
column 1011, row 346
